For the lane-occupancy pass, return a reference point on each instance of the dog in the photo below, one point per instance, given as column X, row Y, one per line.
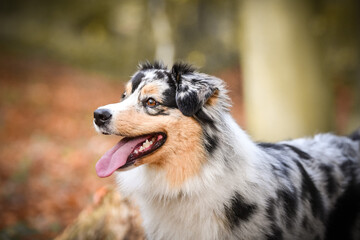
column 195, row 174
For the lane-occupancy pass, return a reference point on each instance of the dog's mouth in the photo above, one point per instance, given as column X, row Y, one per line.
column 125, row 153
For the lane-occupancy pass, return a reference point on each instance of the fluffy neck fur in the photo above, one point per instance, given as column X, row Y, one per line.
column 195, row 210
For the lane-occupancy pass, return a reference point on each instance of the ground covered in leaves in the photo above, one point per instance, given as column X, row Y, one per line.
column 48, row 148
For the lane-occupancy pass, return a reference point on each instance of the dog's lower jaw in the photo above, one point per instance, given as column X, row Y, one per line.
column 132, row 166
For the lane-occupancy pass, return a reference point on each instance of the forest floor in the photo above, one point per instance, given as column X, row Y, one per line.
column 48, row 147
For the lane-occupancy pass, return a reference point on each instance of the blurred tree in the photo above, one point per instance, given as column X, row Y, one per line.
column 286, row 92
column 337, row 26
column 164, row 46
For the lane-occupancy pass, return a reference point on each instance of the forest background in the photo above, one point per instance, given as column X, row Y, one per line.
column 292, row 67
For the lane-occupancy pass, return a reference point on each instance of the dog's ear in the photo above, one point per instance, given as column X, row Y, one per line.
column 192, row 89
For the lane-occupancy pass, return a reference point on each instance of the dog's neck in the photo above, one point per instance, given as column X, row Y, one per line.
column 204, row 195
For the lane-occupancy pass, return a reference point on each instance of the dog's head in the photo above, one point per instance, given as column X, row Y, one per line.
column 162, row 116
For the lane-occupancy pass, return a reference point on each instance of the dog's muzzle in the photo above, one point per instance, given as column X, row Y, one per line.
column 102, row 116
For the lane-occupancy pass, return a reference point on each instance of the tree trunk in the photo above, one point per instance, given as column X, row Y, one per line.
column 286, row 93
column 164, row 46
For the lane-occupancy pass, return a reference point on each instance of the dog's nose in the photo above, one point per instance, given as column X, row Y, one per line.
column 102, row 116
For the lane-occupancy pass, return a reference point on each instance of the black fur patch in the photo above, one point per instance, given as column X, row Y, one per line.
column 309, row 191
column 271, row 145
column 169, row 98
column 136, row 80
column 289, row 200
column 317, row 237
column 330, row 181
column 275, row 234
column 346, row 211
column 342, row 220
column 169, row 95
column 239, row 210
column 300, row 153
column 181, row 68
column 355, row 136
column 270, row 209
column 283, row 169
column 189, row 103
column 305, row 223
column 205, row 119
column 159, row 74
column 210, row 143
column 347, row 167
column 148, row 65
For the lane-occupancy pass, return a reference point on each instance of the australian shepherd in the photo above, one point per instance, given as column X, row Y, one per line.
column 197, row 175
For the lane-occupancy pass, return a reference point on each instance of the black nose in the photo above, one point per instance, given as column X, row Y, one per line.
column 102, row 116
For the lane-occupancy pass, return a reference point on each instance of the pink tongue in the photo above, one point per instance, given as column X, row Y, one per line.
column 117, row 156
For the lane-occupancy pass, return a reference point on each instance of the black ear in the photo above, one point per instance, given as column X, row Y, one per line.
column 192, row 89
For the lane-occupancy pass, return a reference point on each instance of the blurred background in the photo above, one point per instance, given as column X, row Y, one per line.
column 292, row 67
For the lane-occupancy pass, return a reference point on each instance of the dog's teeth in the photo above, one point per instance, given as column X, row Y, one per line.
column 147, row 143
column 136, row 151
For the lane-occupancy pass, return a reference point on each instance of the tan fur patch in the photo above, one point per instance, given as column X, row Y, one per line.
column 128, row 88
column 212, row 101
column 150, row 89
column 182, row 154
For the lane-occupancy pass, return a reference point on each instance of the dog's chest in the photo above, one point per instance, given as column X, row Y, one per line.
column 181, row 219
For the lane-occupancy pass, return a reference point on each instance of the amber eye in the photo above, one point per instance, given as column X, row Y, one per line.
column 151, row 102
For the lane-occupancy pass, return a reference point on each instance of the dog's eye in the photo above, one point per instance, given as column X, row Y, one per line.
column 151, row 102
column 123, row 95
